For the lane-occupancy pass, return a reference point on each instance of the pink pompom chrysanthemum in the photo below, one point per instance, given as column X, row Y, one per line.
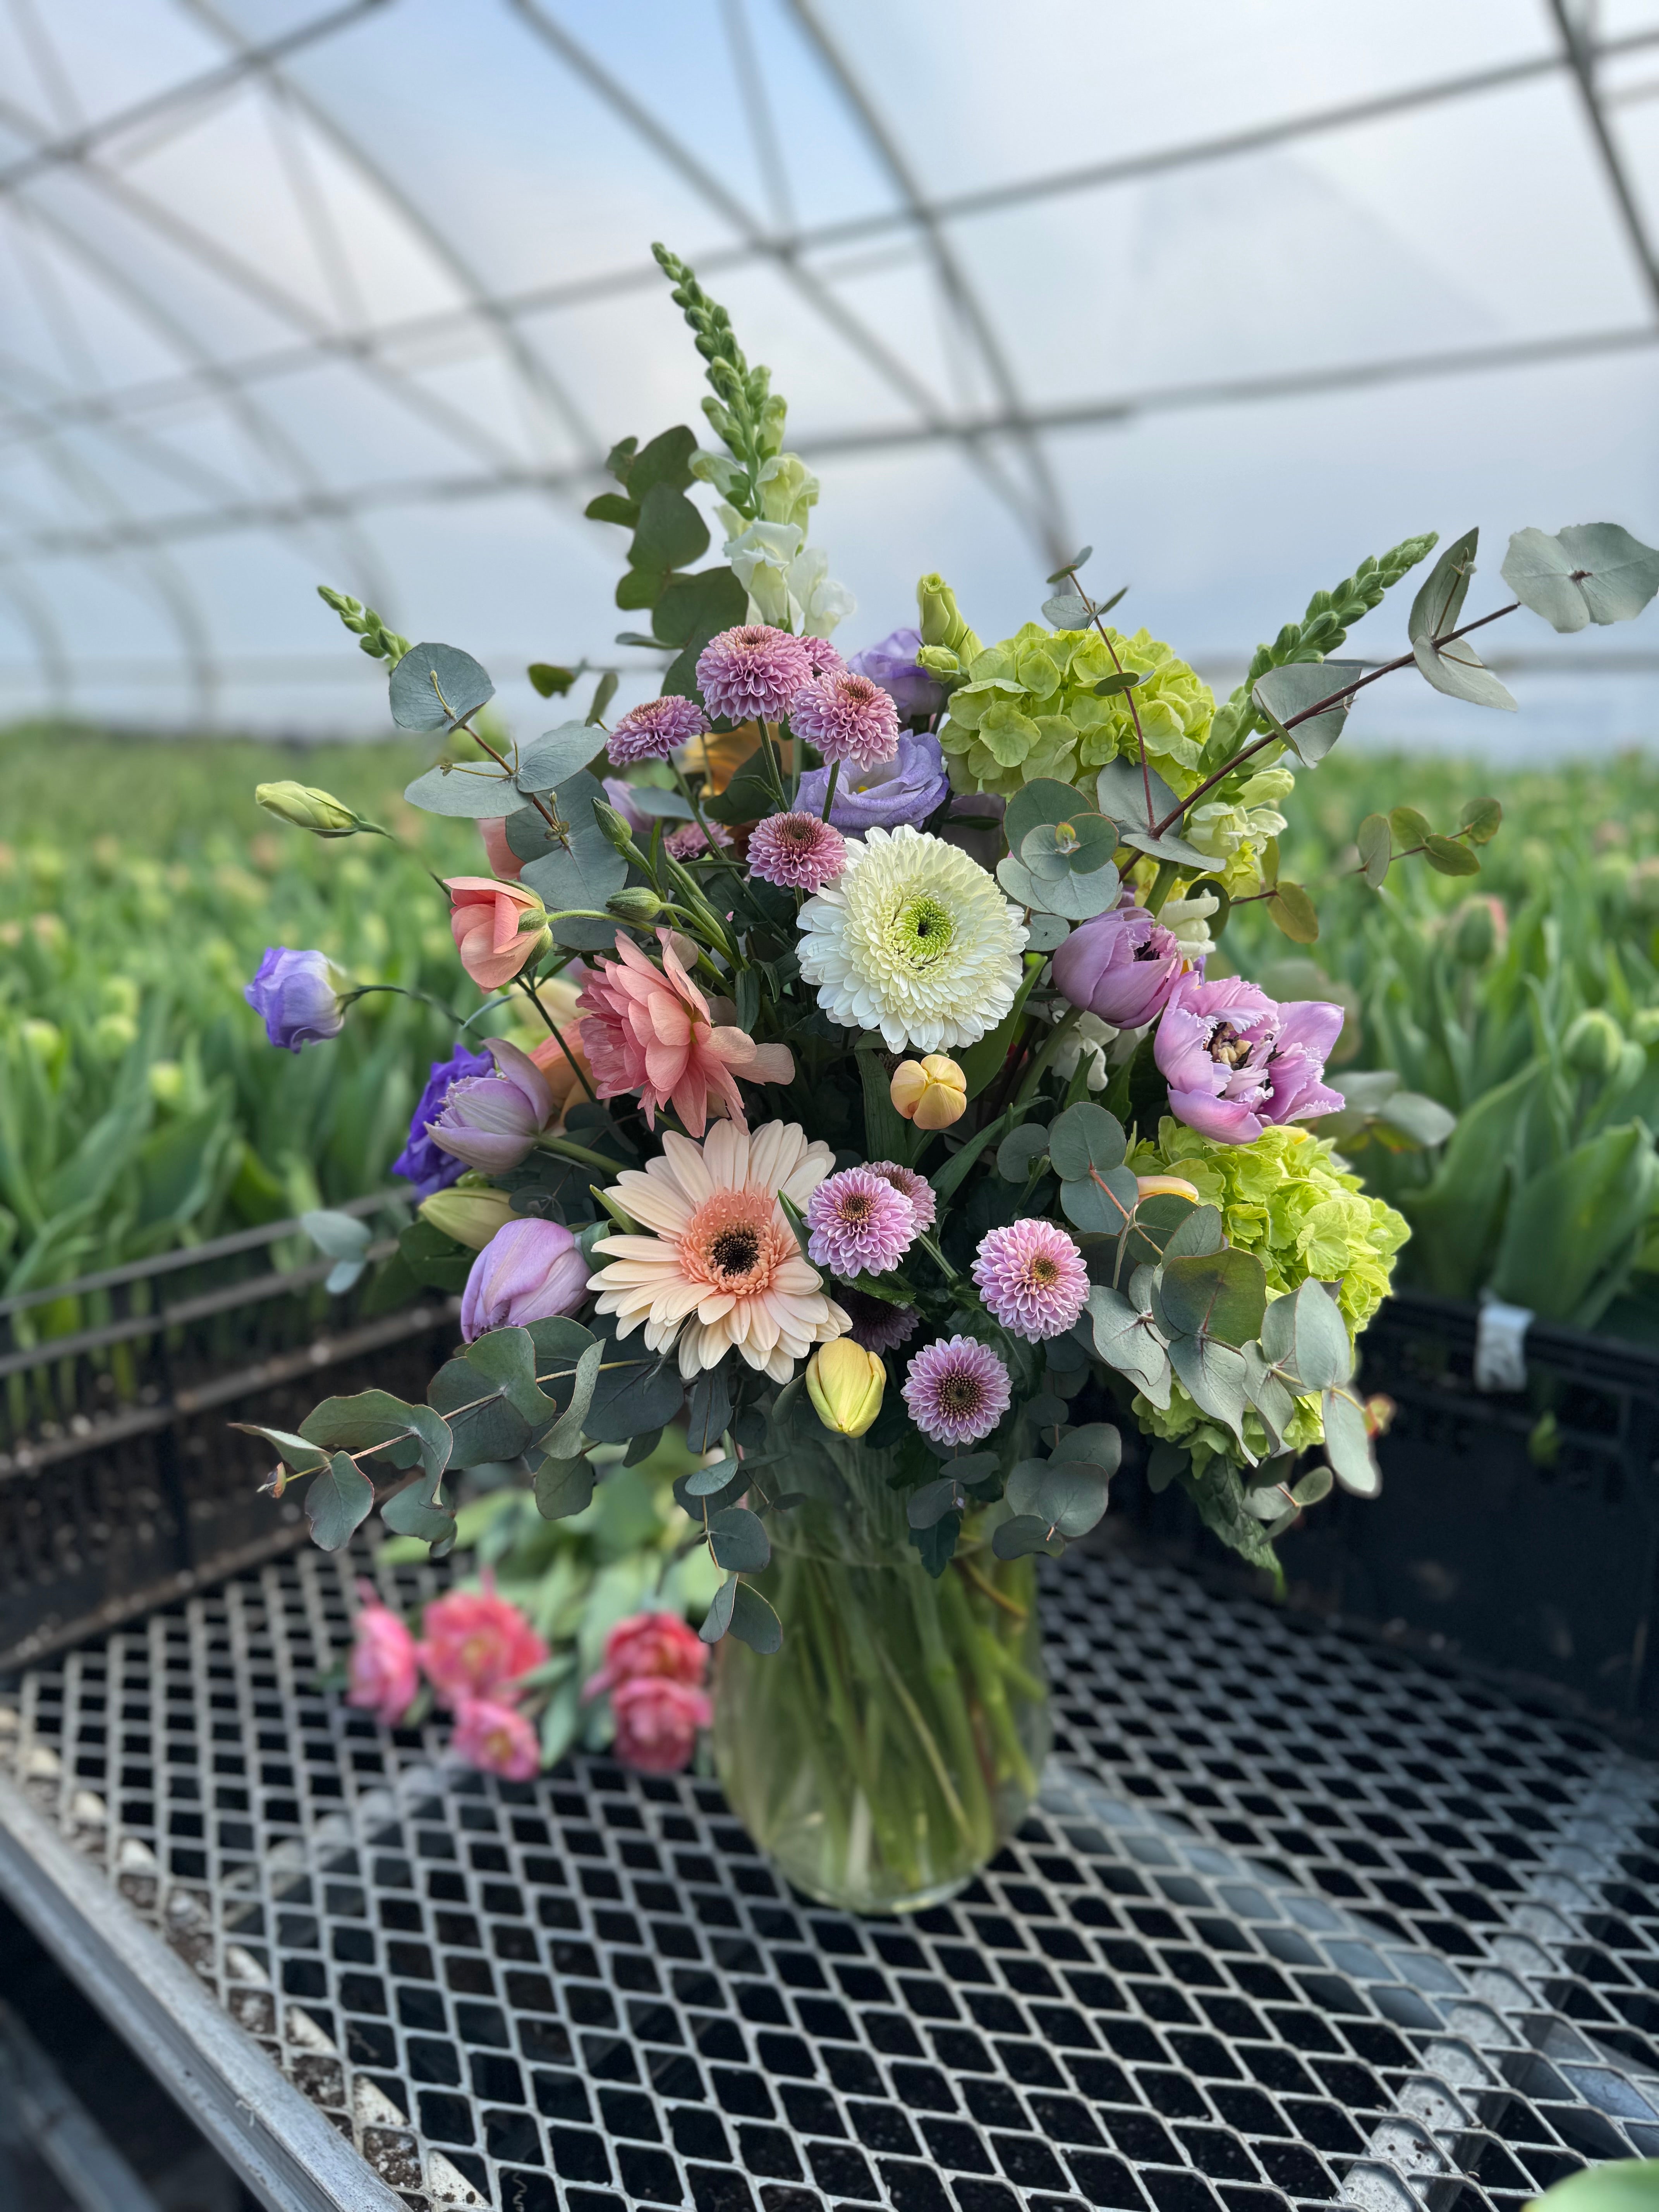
column 847, row 718
column 1032, row 1277
column 796, row 851
column 655, row 730
column 859, row 1223
column 752, row 672
column 908, row 1184
column 956, row 1391
column 686, row 842
column 826, row 660
column 877, row 1325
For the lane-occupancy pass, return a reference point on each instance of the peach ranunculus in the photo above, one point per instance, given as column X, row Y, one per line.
column 383, row 1670
column 476, row 1646
column 496, row 1739
column 655, row 1644
column 503, row 861
column 485, row 919
column 657, row 1722
column 650, row 1029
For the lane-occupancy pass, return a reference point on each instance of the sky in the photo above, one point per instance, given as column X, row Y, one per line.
column 252, row 337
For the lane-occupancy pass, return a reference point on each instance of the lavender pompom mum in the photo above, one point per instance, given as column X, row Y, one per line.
column 859, row 1223
column 877, row 1325
column 924, row 1203
column 1032, row 1277
column 847, row 717
column 654, row 731
column 751, row 673
column 686, row 842
column 956, row 1391
column 796, row 851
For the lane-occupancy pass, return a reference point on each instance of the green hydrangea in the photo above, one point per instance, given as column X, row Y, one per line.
column 1028, row 709
column 1289, row 1198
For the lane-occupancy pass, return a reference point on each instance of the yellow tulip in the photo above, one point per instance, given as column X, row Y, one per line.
column 471, row 1217
column 845, row 1383
column 932, row 1092
column 1166, row 1187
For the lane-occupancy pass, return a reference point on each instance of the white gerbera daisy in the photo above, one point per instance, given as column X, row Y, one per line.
column 913, row 939
column 722, row 1266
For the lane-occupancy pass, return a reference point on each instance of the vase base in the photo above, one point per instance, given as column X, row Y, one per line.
column 871, row 1905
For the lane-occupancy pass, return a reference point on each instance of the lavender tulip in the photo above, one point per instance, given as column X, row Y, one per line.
column 421, row 1162
column 904, row 790
column 893, row 664
column 491, row 1121
column 529, row 1270
column 297, row 996
column 1122, row 967
column 1235, row 1060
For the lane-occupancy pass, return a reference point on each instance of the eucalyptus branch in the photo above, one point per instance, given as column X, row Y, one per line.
column 560, row 829
column 1135, row 711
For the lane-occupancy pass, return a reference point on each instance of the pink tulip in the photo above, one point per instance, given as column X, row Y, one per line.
column 484, row 918
column 1235, row 1060
column 503, row 861
column 383, row 1670
column 529, row 1270
column 655, row 1644
column 495, row 1739
column 476, row 1646
column 1121, row 967
column 657, row 1722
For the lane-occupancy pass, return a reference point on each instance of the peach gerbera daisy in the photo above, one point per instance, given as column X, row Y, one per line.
column 721, row 1267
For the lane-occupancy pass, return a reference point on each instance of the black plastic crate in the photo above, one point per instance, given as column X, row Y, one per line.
column 122, row 1483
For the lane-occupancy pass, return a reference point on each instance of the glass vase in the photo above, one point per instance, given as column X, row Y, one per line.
column 892, row 1746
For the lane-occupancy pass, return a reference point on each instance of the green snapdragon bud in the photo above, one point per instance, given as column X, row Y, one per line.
column 1594, row 1044
column 307, row 808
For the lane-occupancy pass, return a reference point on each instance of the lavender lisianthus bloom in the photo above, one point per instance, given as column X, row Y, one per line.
column 894, row 793
column 893, row 664
column 1235, row 1061
column 491, row 1122
column 297, row 996
column 1122, row 967
column 421, row 1162
column 529, row 1270
column 620, row 794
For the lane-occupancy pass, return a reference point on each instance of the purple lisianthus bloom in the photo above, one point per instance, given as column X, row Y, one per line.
column 297, row 996
column 894, row 793
column 529, row 1270
column 421, row 1162
column 491, row 1122
column 1235, row 1060
column 620, row 794
column 1121, row 967
column 893, row 664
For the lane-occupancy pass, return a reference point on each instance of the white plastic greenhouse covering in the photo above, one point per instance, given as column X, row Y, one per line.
column 363, row 293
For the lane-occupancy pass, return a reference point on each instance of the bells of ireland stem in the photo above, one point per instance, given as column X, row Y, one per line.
column 845, row 1383
column 307, row 808
column 932, row 1092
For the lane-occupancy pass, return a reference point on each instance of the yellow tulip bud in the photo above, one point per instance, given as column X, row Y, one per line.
column 471, row 1217
column 845, row 1383
column 932, row 1092
column 1166, row 1187
column 307, row 808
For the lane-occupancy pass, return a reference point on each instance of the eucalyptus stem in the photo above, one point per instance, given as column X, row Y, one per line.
column 1050, row 1045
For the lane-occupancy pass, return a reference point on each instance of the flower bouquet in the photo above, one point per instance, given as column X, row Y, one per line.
column 890, row 1118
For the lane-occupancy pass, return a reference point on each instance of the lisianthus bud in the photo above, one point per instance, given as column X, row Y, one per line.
column 845, row 1383
column 615, row 824
column 298, row 996
column 1165, row 1187
column 471, row 1217
column 941, row 619
column 932, row 1092
column 307, row 808
column 1593, row 1044
column 634, row 902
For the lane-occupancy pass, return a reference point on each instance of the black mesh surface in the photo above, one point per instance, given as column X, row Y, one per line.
column 1296, row 1920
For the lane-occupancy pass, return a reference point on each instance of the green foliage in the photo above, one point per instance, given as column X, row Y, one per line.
column 745, row 413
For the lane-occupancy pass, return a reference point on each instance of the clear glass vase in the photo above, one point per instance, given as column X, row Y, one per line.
column 892, row 1746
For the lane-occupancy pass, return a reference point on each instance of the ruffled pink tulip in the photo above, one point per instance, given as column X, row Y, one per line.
column 484, row 918
column 657, row 1722
column 650, row 1029
column 529, row 1270
column 1235, row 1060
column 495, row 1739
column 476, row 1644
column 503, row 861
column 1121, row 967
column 491, row 1121
column 383, row 1670
column 655, row 1644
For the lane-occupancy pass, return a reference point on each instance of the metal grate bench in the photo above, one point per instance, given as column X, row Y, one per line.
column 1299, row 1919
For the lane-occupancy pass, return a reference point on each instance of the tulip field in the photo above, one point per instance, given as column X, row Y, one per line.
column 141, row 1107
